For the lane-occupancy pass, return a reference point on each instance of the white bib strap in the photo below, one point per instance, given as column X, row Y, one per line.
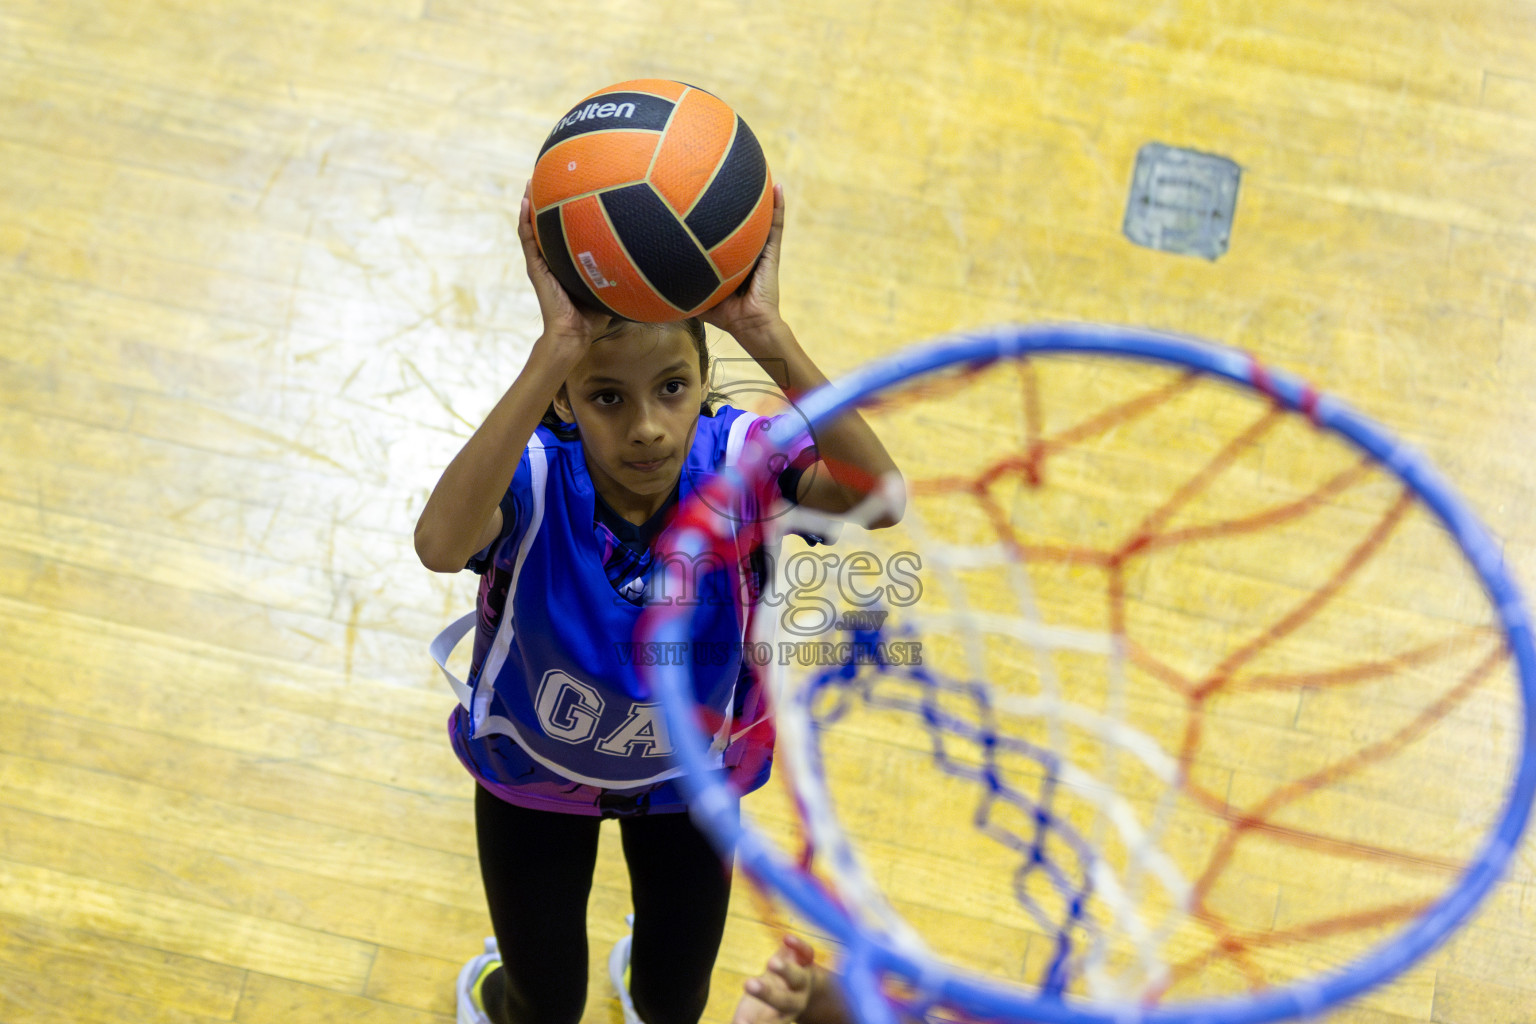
column 736, row 439
column 442, row 648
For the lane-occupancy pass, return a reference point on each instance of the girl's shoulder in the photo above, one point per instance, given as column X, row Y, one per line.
column 548, row 449
column 548, row 461
column 547, row 440
column 720, row 436
column 730, row 428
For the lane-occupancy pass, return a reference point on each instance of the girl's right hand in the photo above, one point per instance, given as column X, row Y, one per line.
column 563, row 320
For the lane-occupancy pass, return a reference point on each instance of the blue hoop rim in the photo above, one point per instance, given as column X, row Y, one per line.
column 714, row 806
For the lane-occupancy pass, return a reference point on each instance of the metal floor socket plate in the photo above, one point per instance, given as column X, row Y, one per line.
column 1182, row 201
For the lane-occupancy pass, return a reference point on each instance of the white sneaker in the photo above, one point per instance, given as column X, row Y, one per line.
column 618, row 974
column 471, row 1011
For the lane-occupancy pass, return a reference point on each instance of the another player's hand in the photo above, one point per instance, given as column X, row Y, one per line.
column 754, row 307
column 780, row 994
column 563, row 319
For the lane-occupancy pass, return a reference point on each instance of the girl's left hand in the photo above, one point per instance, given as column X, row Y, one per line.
column 755, row 305
column 783, row 991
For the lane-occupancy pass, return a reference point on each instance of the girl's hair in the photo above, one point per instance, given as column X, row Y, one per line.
column 695, row 328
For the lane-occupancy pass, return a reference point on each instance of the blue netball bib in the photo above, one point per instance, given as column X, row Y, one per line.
column 560, row 674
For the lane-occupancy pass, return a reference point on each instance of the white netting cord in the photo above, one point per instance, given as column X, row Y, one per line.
column 1119, row 894
column 846, row 872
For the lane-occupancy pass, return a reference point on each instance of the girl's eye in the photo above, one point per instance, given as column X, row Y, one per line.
column 674, row 387
column 605, row 398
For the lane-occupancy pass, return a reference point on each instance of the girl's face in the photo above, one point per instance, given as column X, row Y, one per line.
column 635, row 399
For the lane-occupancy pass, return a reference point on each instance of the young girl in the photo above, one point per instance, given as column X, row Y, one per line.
column 556, row 500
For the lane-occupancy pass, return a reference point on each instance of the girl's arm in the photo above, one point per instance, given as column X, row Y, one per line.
column 850, row 451
column 463, row 514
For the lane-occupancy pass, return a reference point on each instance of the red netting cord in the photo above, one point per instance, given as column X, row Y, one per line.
column 1029, row 467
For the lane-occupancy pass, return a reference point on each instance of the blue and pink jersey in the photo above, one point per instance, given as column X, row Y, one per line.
column 553, row 715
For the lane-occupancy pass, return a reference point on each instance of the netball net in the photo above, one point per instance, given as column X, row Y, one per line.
column 1167, row 693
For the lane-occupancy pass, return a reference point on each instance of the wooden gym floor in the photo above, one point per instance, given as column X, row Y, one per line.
column 259, row 278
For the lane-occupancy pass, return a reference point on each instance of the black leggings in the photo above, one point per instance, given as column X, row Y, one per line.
column 537, row 867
